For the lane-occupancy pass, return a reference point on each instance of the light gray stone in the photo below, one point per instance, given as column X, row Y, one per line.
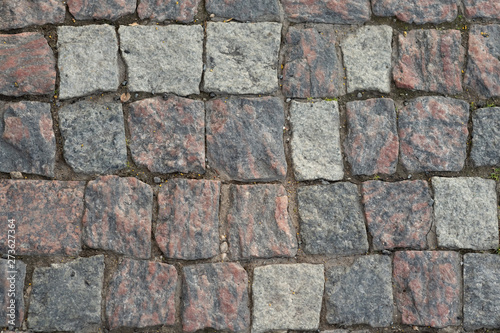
column 316, row 141
column 163, row 58
column 486, row 137
column 287, row 297
column 465, row 213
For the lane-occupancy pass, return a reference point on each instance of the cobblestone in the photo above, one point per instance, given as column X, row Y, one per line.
column 101, row 10
column 17, row 14
column 161, row 10
column 245, row 10
column 417, row 11
column 487, row 9
column 328, row 11
column 485, row 137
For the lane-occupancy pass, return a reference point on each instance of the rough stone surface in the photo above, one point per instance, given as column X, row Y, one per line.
column 163, row 58
column 245, row 10
column 486, row 137
column 417, row 11
column 188, row 219
column 47, row 216
column 242, row 58
column 141, row 294
column 168, row 135
column 27, row 142
column 245, row 138
column 94, row 137
column 118, row 214
column 428, row 287
column 430, row 60
column 27, row 65
column 287, row 297
column 101, row 10
column 258, row 222
column 465, row 212
column 372, row 144
column 12, row 274
column 17, row 14
column 331, row 219
column 88, row 60
column 316, row 141
column 433, row 134
column 486, row 9
column 399, row 215
column 160, row 10
column 216, row 296
column 67, row 297
column 367, row 58
column 360, row 293
column 328, row 11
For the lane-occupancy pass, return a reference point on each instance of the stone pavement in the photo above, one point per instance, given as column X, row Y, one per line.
column 249, row 165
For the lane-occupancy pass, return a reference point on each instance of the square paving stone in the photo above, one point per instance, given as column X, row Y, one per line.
column 486, row 137
column 118, row 214
column 328, row 11
column 360, row 293
column 399, row 215
column 372, row 143
column 433, row 134
column 486, row 9
column 163, row 58
column 258, row 222
column 17, row 14
column 481, row 291
column 430, row 60
column 428, row 287
column 287, row 297
column 242, row 58
column 168, row 135
column 188, row 220
column 27, row 141
column 47, row 216
column 141, row 294
column 417, row 11
column 215, row 296
column 245, row 138
column 465, row 212
column 27, row 65
column 94, row 137
column 160, row 10
column 316, row 141
column 101, row 10
column 245, row 10
column 67, row 297
column 367, row 59
column 88, row 60
column 331, row 219
column 483, row 65
column 12, row 275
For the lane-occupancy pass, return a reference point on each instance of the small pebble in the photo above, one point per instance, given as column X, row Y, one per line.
column 125, row 97
column 124, row 83
column 16, row 175
column 224, row 247
column 136, row 95
column 387, row 253
column 288, row 100
column 212, row 95
column 212, row 15
column 224, row 256
column 157, row 180
column 409, row 176
column 360, row 95
column 165, row 97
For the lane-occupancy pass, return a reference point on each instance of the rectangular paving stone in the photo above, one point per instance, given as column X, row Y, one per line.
column 242, row 58
column 215, row 296
column 417, row 11
column 17, row 14
column 316, row 141
column 372, row 143
column 188, row 219
column 433, row 134
column 245, row 10
column 465, row 212
column 47, row 216
column 485, row 137
column 483, row 9
column 287, row 297
column 175, row 10
column 12, row 275
column 428, row 287
column 141, row 294
column 430, row 60
column 328, row 11
column 101, row 10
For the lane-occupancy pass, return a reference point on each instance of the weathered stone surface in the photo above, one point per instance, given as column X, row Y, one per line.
column 328, row 11
column 430, row 60
column 101, row 10
column 258, row 222
column 163, row 58
column 94, row 137
column 433, row 134
column 481, row 291
column 417, row 11
column 360, row 293
column 67, row 297
column 367, row 58
column 245, row 10
column 27, row 142
column 188, row 219
column 465, row 212
column 27, row 65
column 161, row 10
column 141, row 294
column 88, row 60
column 168, row 135
column 483, row 65
column 398, row 214
column 245, row 138
column 313, row 67
column 216, row 296
column 487, row 9
column 17, row 14
column 12, row 274
column 316, row 141
column 47, row 216
column 372, row 143
column 242, row 58
column 287, row 297
column 428, row 287
column 486, row 137
column 331, row 219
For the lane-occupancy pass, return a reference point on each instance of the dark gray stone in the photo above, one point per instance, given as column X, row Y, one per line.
column 245, row 10
column 12, row 275
column 328, row 11
column 486, row 137
column 101, row 9
column 17, row 14
column 417, row 11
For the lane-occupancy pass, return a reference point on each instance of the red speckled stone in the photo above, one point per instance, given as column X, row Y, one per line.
column 417, row 11
column 22, row 13
column 327, row 11
column 161, row 10
column 101, row 9
column 488, row 9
